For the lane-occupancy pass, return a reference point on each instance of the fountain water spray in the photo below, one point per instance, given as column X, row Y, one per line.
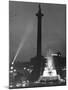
column 50, row 67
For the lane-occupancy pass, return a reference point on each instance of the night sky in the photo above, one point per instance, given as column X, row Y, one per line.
column 23, row 29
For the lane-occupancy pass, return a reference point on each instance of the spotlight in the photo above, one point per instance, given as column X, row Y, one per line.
column 11, row 67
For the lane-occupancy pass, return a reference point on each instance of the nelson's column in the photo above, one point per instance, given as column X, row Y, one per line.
column 38, row 61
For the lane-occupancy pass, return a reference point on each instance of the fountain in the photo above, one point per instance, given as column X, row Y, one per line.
column 50, row 73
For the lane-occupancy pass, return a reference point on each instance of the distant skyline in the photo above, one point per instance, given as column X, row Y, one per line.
column 23, row 29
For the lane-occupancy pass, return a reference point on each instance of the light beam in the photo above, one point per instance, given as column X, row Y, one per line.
column 29, row 29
